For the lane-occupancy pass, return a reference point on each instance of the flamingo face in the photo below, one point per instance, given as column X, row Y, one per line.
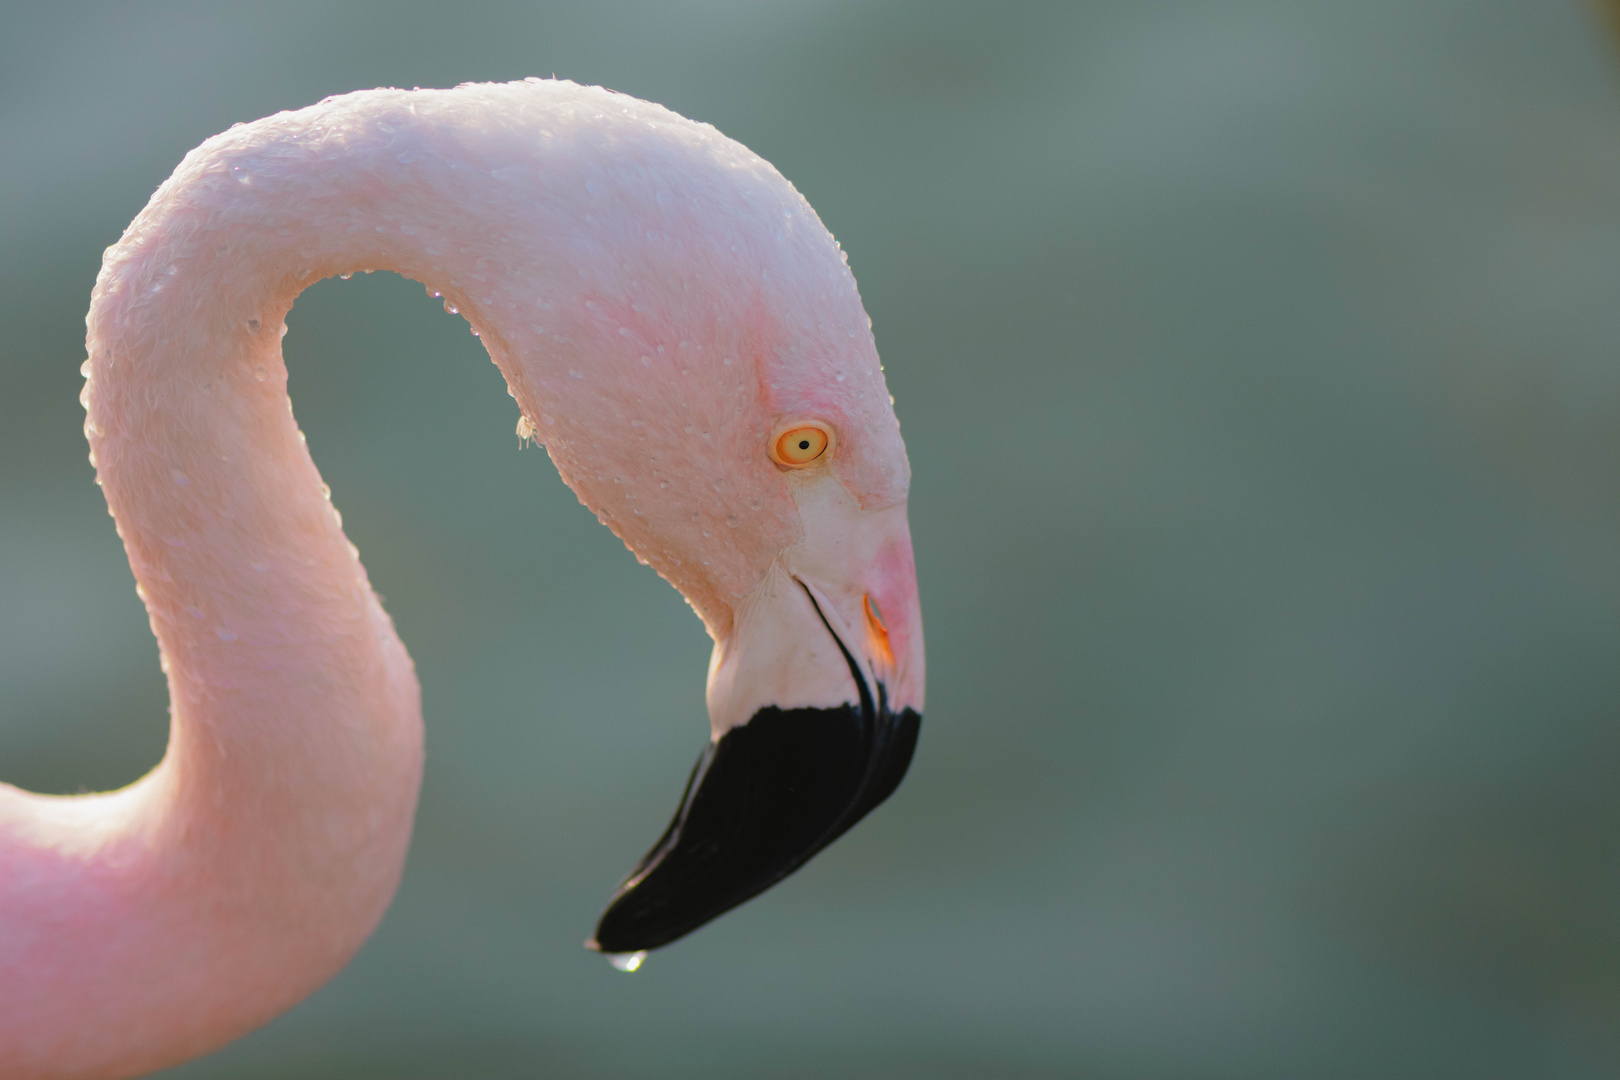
column 760, row 471
column 815, row 701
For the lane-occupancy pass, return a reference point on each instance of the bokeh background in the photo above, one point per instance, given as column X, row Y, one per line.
column 1260, row 368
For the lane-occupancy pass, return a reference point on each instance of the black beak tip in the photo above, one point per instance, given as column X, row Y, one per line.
column 760, row 803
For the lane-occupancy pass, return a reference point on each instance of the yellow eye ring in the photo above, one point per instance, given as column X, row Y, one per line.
column 802, row 442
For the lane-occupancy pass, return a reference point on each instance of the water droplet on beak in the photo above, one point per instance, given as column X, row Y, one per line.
column 626, row 961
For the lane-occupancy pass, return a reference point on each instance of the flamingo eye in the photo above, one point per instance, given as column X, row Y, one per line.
column 801, row 443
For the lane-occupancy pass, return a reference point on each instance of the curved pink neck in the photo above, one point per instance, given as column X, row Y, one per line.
column 143, row 927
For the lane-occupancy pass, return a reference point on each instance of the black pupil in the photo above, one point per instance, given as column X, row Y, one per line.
column 804, row 444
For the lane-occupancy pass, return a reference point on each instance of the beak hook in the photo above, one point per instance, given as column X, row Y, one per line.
column 763, row 799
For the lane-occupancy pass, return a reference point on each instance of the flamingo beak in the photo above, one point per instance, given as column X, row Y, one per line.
column 816, row 702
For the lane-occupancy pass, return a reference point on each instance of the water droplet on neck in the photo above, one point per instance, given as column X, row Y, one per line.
column 347, row 276
column 626, row 961
column 261, row 373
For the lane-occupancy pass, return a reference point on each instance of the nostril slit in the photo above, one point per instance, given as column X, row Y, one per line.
column 873, row 612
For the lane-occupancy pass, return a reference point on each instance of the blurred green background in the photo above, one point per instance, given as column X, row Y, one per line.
column 1260, row 368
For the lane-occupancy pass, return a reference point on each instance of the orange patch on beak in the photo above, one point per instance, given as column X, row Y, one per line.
column 877, row 635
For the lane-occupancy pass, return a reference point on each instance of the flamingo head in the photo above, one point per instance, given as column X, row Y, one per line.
column 702, row 371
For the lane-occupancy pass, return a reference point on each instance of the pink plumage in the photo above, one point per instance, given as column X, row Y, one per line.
column 658, row 298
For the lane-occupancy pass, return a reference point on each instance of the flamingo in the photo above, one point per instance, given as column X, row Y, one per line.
column 678, row 329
